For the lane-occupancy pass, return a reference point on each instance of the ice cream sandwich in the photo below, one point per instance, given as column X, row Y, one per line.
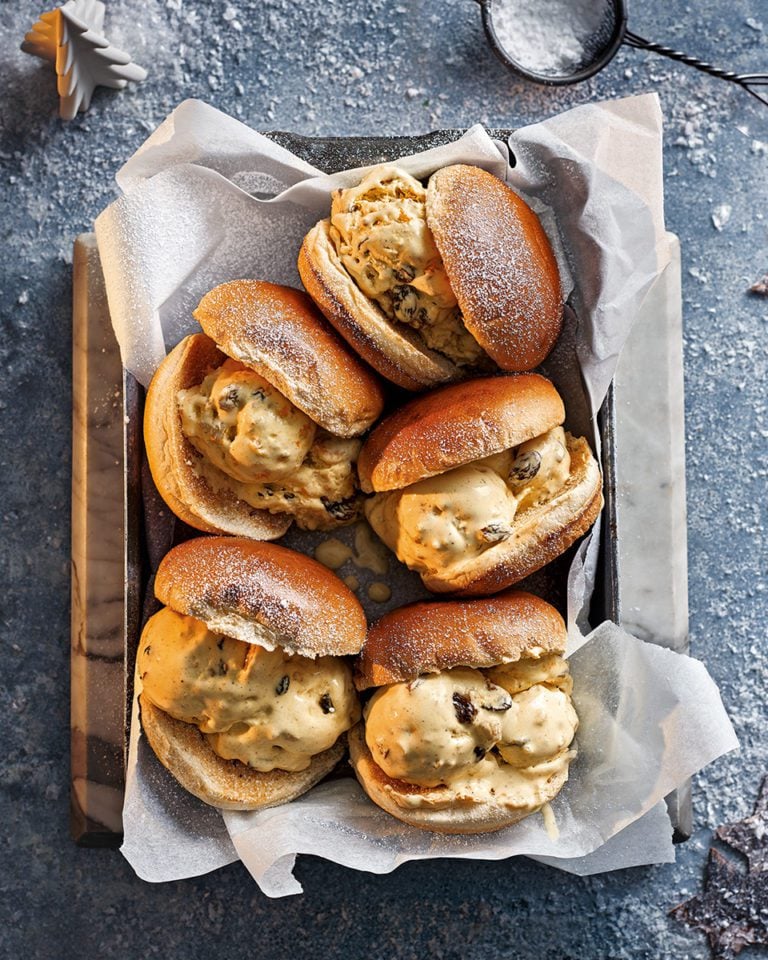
column 434, row 284
column 246, row 696
column 253, row 424
column 478, row 484
column 470, row 725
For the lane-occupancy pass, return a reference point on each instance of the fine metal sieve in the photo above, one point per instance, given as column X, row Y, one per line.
column 604, row 45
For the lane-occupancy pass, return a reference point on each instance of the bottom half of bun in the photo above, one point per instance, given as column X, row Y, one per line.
column 227, row 784
column 450, row 813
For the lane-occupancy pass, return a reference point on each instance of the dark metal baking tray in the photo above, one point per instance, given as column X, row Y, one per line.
column 140, row 529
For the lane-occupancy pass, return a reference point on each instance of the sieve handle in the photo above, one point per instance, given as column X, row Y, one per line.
column 745, row 80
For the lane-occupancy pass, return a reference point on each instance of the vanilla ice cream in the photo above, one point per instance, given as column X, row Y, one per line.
column 379, row 229
column 431, row 730
column 255, row 443
column 459, row 729
column 540, row 725
column 321, row 494
column 244, row 425
column 515, row 677
column 268, row 709
column 444, row 520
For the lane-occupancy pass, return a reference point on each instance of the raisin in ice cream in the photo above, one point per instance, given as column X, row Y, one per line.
column 540, row 468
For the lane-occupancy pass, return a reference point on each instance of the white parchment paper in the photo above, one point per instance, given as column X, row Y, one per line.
column 206, row 200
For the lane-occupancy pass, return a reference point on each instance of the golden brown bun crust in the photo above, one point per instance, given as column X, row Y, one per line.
column 455, row 425
column 430, row 637
column 459, row 817
column 227, row 784
column 171, row 456
column 546, row 532
column 262, row 593
column 278, row 332
column 500, row 264
column 396, row 351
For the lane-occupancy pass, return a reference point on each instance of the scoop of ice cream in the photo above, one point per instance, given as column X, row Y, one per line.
column 515, row 677
column 379, row 229
column 541, row 468
column 244, row 425
column 432, row 730
column 447, row 519
column 265, row 708
column 320, row 495
column 541, row 723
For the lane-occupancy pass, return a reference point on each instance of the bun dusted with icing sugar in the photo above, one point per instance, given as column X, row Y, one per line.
column 471, row 726
column 477, row 484
column 429, row 637
column 244, row 696
column 251, row 425
column 501, row 265
column 455, row 425
column 430, row 286
column 278, row 332
column 264, row 594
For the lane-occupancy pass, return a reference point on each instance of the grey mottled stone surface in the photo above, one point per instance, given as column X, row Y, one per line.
column 349, row 68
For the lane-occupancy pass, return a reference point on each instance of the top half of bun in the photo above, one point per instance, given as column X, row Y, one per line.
column 500, row 263
column 278, row 332
column 430, row 637
column 263, row 594
column 456, row 425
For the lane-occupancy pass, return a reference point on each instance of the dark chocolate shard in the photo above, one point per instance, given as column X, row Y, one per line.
column 750, row 836
column 733, row 909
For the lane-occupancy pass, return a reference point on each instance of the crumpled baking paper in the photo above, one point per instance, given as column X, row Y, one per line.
column 206, row 200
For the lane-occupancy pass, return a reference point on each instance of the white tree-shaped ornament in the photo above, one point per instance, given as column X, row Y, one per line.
column 71, row 38
column 41, row 39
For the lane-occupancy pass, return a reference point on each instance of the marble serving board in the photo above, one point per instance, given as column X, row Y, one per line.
column 121, row 528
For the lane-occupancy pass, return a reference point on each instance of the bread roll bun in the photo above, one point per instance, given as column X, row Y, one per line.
column 456, row 425
column 264, row 594
column 172, row 457
column 227, row 784
column 430, row 637
column 500, row 265
column 394, row 349
column 278, row 332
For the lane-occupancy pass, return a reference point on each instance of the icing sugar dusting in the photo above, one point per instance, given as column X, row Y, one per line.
column 558, row 37
column 239, row 581
column 500, row 262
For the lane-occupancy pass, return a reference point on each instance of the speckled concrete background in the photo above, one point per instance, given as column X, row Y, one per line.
column 389, row 67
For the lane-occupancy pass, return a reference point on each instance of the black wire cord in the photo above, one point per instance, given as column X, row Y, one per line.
column 745, row 80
